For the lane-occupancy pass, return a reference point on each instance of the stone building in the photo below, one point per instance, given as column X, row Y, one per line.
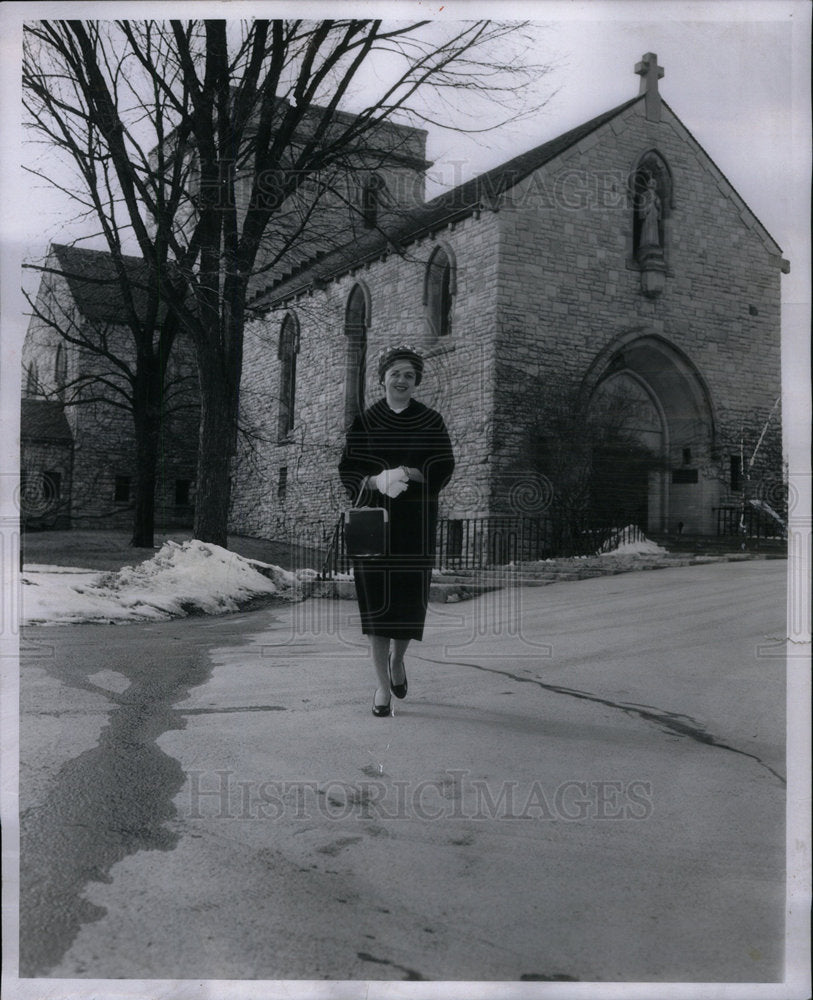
column 614, row 266
column 600, row 317
column 78, row 448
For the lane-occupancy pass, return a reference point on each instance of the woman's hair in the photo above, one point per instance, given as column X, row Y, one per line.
column 400, row 352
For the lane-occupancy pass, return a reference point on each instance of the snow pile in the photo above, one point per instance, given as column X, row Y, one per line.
column 620, row 544
column 192, row 578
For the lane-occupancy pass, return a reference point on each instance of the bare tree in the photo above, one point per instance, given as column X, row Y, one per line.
column 200, row 133
column 749, row 463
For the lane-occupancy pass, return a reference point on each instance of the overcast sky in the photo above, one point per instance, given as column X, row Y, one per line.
column 732, row 74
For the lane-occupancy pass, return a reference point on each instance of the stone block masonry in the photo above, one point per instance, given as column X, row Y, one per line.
column 548, row 298
column 457, row 383
column 570, row 289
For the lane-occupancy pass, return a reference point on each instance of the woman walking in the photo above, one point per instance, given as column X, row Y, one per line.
column 398, row 454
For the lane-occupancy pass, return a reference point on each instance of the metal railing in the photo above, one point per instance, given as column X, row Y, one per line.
column 748, row 521
column 477, row 542
column 474, row 543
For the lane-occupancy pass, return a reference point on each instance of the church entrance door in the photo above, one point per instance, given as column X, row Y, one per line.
column 656, row 452
column 628, row 454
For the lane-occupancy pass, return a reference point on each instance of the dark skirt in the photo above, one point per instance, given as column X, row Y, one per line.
column 392, row 596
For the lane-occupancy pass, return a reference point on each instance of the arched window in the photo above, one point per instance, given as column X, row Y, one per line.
column 355, row 330
column 287, row 352
column 32, row 380
column 61, row 371
column 371, row 195
column 439, row 291
column 652, row 202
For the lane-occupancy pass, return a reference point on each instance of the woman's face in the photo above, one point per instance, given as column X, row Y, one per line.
column 399, row 382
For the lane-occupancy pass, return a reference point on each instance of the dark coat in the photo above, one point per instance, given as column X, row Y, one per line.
column 393, row 591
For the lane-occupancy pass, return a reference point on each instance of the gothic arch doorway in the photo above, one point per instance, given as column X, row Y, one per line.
column 628, row 455
column 666, row 411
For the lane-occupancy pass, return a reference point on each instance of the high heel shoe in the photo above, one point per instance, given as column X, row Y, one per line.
column 382, row 711
column 399, row 690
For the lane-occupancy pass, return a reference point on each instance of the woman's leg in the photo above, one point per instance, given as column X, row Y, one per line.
column 399, row 648
column 380, row 647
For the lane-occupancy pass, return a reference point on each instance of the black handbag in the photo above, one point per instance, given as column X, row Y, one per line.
column 366, row 529
column 366, row 532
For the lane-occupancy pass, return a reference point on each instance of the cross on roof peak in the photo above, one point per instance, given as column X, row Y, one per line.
column 650, row 72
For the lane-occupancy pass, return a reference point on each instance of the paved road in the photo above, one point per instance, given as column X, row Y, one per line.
column 586, row 782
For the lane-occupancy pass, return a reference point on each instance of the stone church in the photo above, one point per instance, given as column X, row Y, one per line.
column 604, row 302
column 613, row 263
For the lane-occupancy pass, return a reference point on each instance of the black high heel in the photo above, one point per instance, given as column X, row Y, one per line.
column 382, row 711
column 399, row 690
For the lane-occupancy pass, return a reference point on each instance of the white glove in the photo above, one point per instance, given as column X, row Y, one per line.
column 392, row 482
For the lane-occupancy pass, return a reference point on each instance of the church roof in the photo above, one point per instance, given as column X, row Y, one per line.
column 44, row 420
column 450, row 206
column 94, row 282
column 507, row 175
column 463, row 200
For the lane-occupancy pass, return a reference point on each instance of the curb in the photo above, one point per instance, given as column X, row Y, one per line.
column 450, row 587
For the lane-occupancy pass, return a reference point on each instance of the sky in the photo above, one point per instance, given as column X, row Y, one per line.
column 734, row 74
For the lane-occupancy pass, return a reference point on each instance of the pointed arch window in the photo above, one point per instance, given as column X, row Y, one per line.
column 371, row 194
column 652, row 202
column 356, row 320
column 287, row 352
column 439, row 292
column 61, row 371
column 32, row 380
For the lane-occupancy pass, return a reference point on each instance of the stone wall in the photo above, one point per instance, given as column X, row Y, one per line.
column 570, row 296
column 46, row 474
column 549, row 296
column 456, row 382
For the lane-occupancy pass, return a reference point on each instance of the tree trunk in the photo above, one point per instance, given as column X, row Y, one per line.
column 218, row 421
column 147, row 413
column 144, row 517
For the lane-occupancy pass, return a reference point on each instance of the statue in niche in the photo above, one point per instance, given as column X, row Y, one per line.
column 650, row 214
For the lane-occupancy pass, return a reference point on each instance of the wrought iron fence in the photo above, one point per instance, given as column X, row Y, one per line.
column 748, row 521
column 609, row 537
column 477, row 542
column 480, row 542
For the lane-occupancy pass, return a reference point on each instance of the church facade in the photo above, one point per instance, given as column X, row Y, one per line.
column 610, row 276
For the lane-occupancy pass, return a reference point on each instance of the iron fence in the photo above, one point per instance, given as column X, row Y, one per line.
column 474, row 543
column 748, row 521
column 477, row 542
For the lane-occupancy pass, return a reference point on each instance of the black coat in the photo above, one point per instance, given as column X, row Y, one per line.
column 393, row 591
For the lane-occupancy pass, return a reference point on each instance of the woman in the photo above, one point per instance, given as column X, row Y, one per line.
column 399, row 453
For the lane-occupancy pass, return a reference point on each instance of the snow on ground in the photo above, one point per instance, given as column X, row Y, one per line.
column 189, row 578
column 192, row 578
column 620, row 544
column 643, row 547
